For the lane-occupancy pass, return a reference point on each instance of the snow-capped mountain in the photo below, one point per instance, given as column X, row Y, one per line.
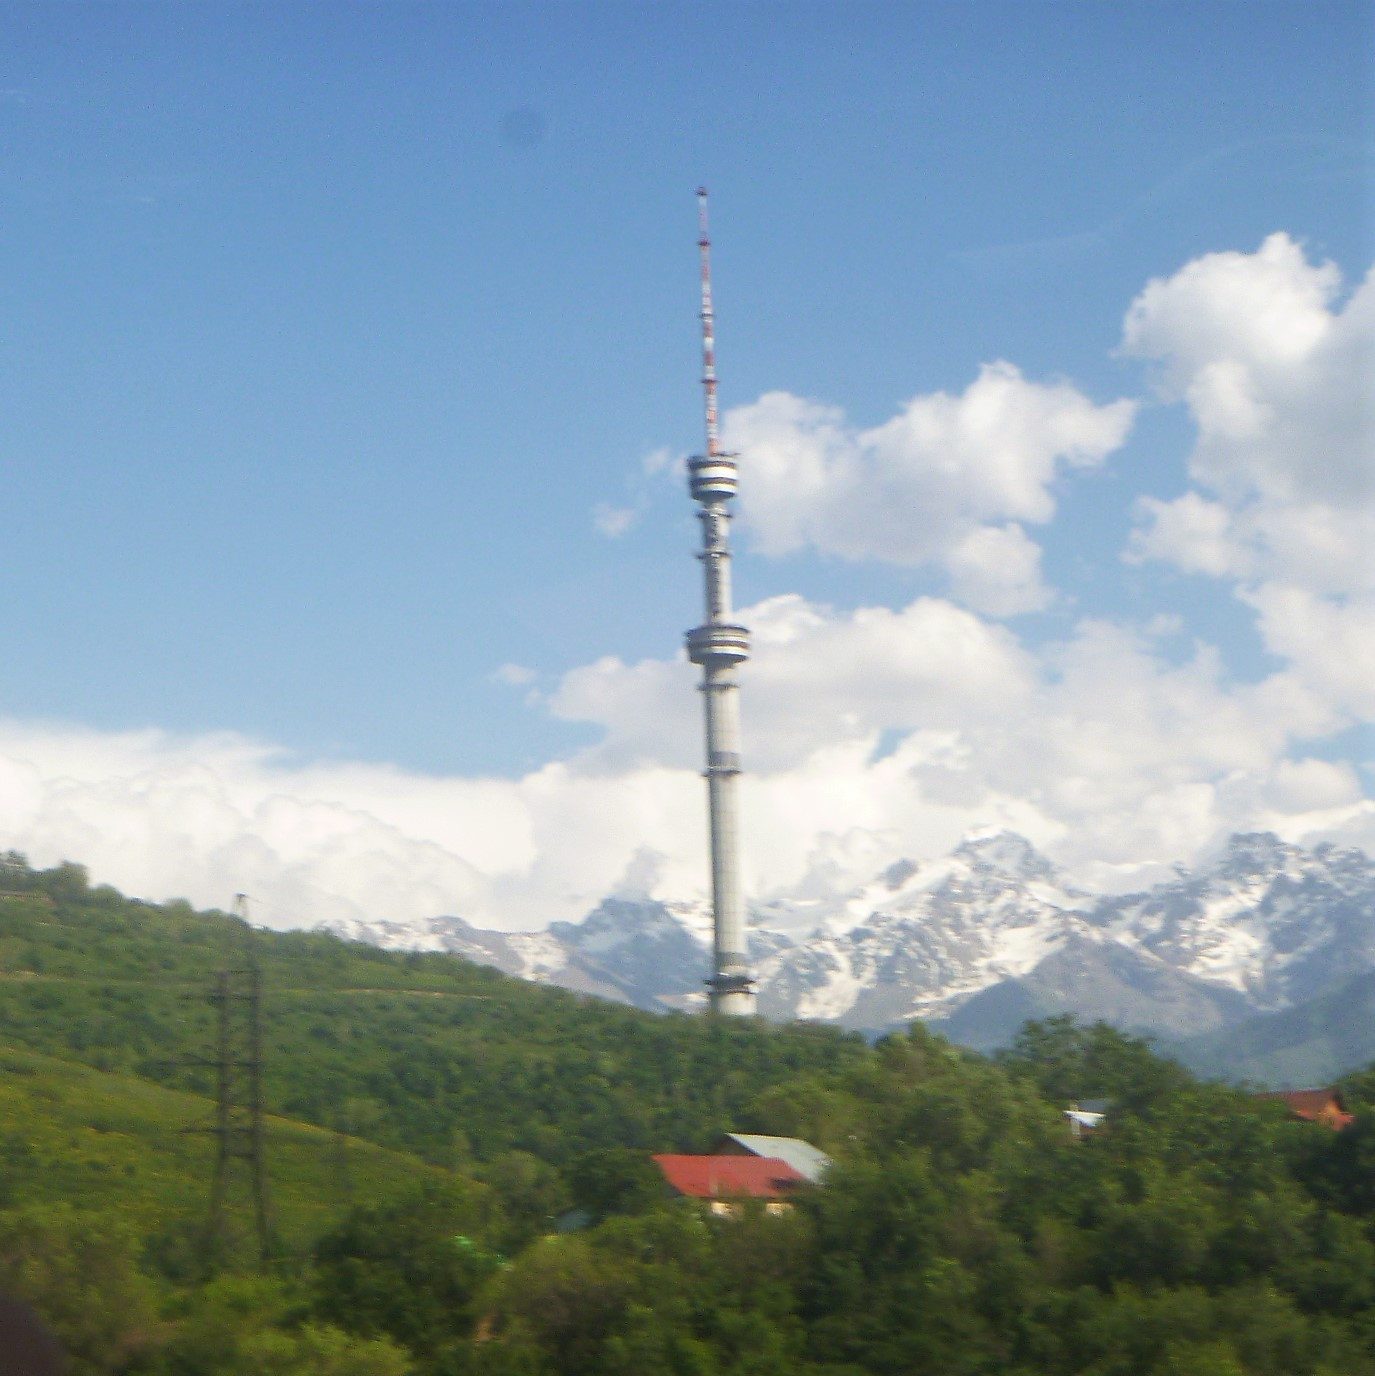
column 920, row 940
column 978, row 942
column 1272, row 921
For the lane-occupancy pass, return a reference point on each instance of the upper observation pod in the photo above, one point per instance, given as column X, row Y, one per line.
column 712, row 477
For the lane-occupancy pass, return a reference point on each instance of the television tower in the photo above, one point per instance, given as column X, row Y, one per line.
column 718, row 645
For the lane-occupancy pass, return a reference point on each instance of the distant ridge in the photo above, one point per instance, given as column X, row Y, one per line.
column 1310, row 1044
column 980, row 940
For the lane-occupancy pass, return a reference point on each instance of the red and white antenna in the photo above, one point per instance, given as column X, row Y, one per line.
column 708, row 327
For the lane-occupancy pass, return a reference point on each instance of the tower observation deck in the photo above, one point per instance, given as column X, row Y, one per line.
column 718, row 645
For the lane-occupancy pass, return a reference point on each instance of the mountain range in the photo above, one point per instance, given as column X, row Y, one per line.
column 980, row 940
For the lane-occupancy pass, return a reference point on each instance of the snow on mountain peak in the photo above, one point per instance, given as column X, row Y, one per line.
column 1267, row 919
column 1259, row 854
column 1005, row 853
column 1264, row 926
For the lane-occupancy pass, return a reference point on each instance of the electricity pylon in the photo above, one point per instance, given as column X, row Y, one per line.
column 237, row 996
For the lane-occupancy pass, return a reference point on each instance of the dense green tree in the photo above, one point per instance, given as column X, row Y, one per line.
column 79, row 1271
column 252, row 1326
column 410, row 1270
column 614, row 1180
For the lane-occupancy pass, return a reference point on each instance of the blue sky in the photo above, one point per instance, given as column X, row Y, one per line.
column 336, row 337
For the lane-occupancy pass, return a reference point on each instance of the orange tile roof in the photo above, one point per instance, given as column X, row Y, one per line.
column 729, row 1177
column 1313, row 1106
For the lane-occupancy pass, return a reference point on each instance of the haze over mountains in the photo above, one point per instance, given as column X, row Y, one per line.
column 980, row 941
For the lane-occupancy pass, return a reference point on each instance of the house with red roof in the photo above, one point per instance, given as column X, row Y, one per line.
column 724, row 1182
column 1313, row 1106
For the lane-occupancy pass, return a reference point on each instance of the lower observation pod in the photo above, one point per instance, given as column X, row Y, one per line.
column 711, row 477
column 727, row 984
column 718, row 643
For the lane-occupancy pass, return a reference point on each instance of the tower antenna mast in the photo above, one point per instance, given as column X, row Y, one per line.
column 718, row 645
column 708, row 326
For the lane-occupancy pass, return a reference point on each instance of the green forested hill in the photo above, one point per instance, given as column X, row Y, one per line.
column 962, row 1232
column 424, row 1053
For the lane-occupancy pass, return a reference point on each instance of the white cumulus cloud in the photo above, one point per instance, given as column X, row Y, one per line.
column 949, row 480
column 1276, row 372
column 997, row 570
column 1100, row 749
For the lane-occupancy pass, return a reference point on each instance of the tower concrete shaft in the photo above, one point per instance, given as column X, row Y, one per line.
column 719, row 644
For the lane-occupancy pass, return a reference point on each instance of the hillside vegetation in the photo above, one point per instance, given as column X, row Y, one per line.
column 424, row 1053
column 432, row 1118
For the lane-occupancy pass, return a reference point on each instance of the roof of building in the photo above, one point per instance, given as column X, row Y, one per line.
column 1314, row 1105
column 1084, row 1118
column 729, row 1177
column 808, row 1161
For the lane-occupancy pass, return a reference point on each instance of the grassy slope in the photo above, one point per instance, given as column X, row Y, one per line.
column 71, row 1133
